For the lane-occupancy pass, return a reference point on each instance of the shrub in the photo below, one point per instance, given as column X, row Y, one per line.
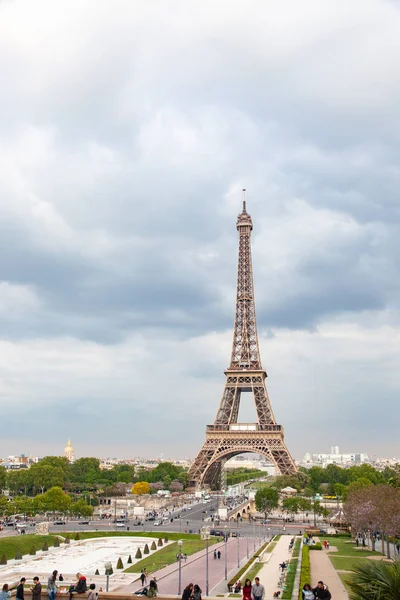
column 129, row 559
column 120, row 564
column 77, row 536
column 160, row 542
column 45, row 547
column 67, row 539
column 166, row 540
column 18, row 556
column 153, row 546
column 146, row 549
column 3, row 560
column 56, row 543
column 317, row 546
column 32, row 551
column 138, row 553
column 305, row 576
column 96, row 572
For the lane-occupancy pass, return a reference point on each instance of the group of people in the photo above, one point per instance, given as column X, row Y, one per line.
column 321, row 592
column 217, row 554
column 79, row 587
column 250, row 591
column 192, row 592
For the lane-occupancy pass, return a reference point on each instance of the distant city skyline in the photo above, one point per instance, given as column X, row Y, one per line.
column 129, row 137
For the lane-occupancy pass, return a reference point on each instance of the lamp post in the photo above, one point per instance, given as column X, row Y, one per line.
column 247, row 544
column 238, row 552
column 108, row 568
column 207, row 538
column 180, row 567
column 226, row 552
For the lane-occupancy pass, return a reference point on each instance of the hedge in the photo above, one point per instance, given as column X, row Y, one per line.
column 305, row 575
column 317, row 546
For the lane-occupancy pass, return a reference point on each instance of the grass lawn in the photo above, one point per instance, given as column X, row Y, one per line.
column 10, row 545
column 344, row 563
column 253, row 571
column 167, row 555
column 345, row 578
column 347, row 547
column 259, row 485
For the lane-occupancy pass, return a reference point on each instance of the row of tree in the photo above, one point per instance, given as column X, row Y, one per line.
column 267, row 499
column 85, row 475
column 374, row 509
column 54, row 500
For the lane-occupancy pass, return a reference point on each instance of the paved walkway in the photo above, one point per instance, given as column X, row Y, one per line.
column 194, row 569
column 270, row 572
column 323, row 570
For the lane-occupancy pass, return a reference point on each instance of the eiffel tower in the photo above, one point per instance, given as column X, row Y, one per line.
column 227, row 438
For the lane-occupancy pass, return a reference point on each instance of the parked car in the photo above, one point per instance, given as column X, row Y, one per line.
column 157, row 523
column 59, row 522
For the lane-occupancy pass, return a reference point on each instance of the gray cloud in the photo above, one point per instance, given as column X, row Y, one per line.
column 126, row 138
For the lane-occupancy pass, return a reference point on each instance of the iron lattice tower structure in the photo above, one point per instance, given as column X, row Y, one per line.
column 227, row 438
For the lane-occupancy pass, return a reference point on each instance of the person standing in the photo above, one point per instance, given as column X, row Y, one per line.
column 5, row 593
column 219, row 554
column 257, row 590
column 52, row 585
column 246, row 590
column 215, row 554
column 36, row 589
column 20, row 589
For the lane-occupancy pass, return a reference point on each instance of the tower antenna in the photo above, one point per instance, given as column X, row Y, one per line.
column 244, row 200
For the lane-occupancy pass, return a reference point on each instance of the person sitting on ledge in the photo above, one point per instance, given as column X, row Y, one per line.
column 80, row 587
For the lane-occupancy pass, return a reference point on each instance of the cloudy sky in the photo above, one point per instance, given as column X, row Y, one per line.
column 128, row 129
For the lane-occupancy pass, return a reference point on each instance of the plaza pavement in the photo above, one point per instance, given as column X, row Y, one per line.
column 270, row 572
column 194, row 569
column 322, row 569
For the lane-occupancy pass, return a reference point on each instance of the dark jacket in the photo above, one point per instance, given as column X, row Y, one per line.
column 20, row 591
column 187, row 593
column 81, row 586
column 37, row 591
column 322, row 593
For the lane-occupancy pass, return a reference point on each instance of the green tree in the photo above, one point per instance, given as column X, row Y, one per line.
column 18, row 481
column 290, row 505
column 339, row 489
column 56, row 500
column 45, row 476
column 59, row 462
column 3, row 478
column 356, row 485
column 86, row 470
column 266, row 500
column 80, row 508
column 3, row 505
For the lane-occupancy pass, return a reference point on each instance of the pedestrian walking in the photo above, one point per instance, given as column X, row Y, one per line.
column 142, row 577
column 20, row 589
column 185, row 557
column 52, row 585
column 36, row 589
column 219, row 554
column 215, row 554
column 5, row 593
column 325, row 542
column 257, row 590
column 246, row 590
